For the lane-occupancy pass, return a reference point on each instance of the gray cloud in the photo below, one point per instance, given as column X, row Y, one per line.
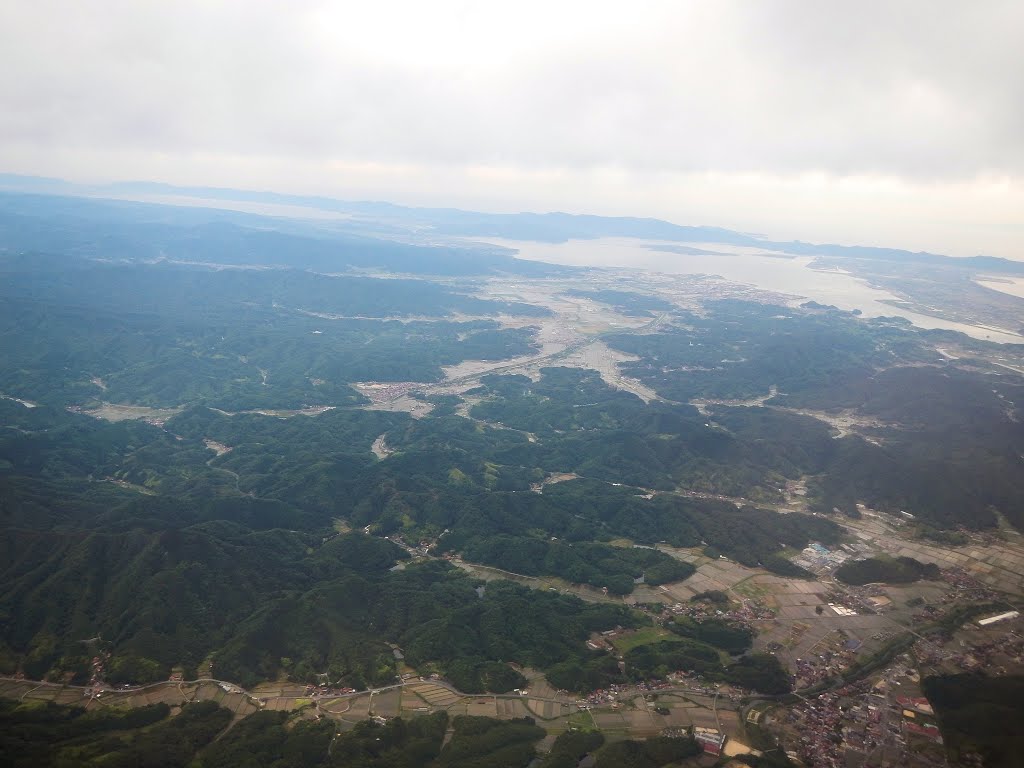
column 918, row 91
column 911, row 88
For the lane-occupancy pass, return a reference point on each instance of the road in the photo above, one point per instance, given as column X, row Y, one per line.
column 626, row 693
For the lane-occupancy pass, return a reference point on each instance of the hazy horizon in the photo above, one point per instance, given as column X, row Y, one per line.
column 875, row 123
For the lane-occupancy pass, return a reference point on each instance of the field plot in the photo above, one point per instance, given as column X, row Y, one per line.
column 640, row 722
column 209, row 692
column 434, row 695
column 539, row 687
column 548, row 710
column 69, row 696
column 679, row 710
column 387, row 703
column 13, row 689
column 411, row 702
column 719, row 575
column 273, row 690
column 239, row 703
column 280, row 705
column 799, row 640
column 359, row 709
column 997, row 564
column 481, row 707
column 795, row 604
column 118, row 412
column 156, row 696
column 40, row 694
column 680, row 717
column 704, row 718
column 608, row 720
column 336, row 707
column 516, row 707
column 644, row 593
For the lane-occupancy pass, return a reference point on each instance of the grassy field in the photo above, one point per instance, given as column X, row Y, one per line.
column 630, row 640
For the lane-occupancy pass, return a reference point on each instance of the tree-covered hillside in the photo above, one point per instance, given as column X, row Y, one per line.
column 228, row 529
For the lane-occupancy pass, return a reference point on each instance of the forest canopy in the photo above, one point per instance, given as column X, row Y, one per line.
column 191, row 467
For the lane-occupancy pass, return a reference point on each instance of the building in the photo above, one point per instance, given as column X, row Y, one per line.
column 710, row 740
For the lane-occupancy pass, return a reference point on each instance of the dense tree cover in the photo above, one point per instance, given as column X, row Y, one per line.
column 271, row 739
column 187, row 554
column 582, row 563
column 892, row 570
column 715, row 596
column 481, row 742
column 477, row 742
column 783, row 566
column 582, row 675
column 305, row 471
column 652, row 753
column 175, row 290
column 232, row 585
column 774, row 758
column 594, row 430
column 268, row 602
column 731, row 638
column 158, row 545
column 253, row 358
column 433, row 612
column 142, row 232
column 657, row 660
column 263, row 739
column 449, row 469
column 976, row 714
column 760, row 672
column 952, row 457
column 741, row 348
column 948, row 538
column 51, row 475
column 570, row 747
column 949, row 454
column 157, row 598
column 472, row 674
column 36, row 734
column 576, row 511
column 166, row 335
column 168, row 550
column 397, row 744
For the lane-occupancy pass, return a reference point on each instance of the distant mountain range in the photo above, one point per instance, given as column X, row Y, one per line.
column 380, row 219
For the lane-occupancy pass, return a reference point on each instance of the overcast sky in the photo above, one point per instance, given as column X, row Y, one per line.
column 894, row 123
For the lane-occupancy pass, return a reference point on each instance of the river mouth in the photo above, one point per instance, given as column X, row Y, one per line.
column 762, row 268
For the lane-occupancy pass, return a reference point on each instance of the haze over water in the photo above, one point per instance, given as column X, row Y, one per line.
column 750, row 266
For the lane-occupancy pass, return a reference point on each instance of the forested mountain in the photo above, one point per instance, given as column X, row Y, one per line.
column 229, row 529
column 199, row 737
column 167, row 335
column 131, row 231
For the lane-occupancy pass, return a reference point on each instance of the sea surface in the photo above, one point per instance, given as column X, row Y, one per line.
column 1011, row 285
column 750, row 266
